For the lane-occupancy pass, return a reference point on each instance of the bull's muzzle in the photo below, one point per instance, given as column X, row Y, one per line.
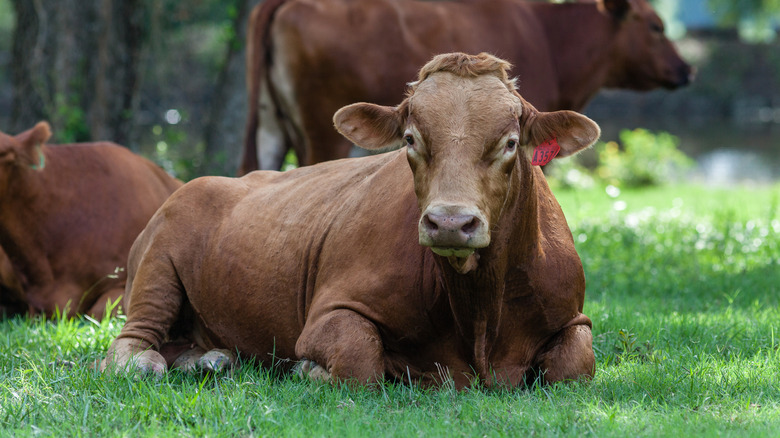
column 453, row 230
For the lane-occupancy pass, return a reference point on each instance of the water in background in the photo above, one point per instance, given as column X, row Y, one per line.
column 742, row 146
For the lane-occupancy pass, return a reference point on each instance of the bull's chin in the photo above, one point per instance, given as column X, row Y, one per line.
column 463, row 260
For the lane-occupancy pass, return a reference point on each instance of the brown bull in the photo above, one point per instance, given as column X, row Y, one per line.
column 449, row 257
column 68, row 217
column 308, row 58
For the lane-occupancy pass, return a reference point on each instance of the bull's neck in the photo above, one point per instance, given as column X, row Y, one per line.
column 476, row 298
column 581, row 38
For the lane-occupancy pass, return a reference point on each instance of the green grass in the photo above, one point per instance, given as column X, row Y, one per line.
column 683, row 290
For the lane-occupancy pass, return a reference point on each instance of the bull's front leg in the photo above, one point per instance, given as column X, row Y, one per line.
column 568, row 355
column 341, row 346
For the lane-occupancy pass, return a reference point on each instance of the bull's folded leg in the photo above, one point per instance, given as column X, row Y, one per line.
column 567, row 356
column 155, row 304
column 341, row 346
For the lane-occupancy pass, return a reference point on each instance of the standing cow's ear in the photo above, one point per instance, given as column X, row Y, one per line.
column 615, row 8
column 573, row 131
column 370, row 126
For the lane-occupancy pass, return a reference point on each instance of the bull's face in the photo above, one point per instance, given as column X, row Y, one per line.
column 643, row 57
column 464, row 135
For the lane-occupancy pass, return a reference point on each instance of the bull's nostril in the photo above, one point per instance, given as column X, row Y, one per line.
column 429, row 224
column 471, row 226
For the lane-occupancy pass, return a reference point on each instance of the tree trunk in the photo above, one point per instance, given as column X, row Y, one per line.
column 224, row 128
column 75, row 64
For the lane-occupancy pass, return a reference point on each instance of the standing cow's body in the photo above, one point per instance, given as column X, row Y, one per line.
column 308, row 58
column 68, row 217
column 324, row 263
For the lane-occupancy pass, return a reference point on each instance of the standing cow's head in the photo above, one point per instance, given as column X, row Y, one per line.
column 22, row 150
column 465, row 129
column 643, row 58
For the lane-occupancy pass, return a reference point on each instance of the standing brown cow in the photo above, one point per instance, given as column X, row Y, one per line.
column 449, row 257
column 308, row 58
column 68, row 216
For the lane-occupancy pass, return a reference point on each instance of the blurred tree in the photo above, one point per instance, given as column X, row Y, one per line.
column 75, row 63
column 225, row 121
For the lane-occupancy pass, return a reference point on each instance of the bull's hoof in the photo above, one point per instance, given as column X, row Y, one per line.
column 133, row 356
column 149, row 362
column 143, row 364
column 199, row 360
column 217, row 361
column 187, row 362
column 312, row 370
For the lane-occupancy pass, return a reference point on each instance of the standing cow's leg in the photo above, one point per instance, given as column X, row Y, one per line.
column 271, row 144
column 342, row 345
column 567, row 356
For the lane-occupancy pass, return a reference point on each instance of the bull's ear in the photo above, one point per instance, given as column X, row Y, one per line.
column 573, row 131
column 370, row 126
column 616, row 8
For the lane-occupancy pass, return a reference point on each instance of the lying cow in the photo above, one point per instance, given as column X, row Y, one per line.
column 11, row 293
column 68, row 217
column 306, row 59
column 448, row 257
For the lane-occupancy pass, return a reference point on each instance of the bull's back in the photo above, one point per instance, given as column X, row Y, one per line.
column 253, row 253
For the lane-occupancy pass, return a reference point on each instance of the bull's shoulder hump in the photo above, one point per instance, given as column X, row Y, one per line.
column 206, row 198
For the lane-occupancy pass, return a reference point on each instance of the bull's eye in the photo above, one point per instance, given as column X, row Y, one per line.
column 409, row 139
column 511, row 145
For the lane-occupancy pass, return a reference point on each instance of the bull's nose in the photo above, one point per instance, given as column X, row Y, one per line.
column 454, row 230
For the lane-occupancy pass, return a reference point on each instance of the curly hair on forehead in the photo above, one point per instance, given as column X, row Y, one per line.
column 466, row 65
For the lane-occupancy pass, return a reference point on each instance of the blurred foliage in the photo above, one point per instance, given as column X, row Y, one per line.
column 73, row 119
column 168, row 149
column 569, row 173
column 645, row 159
column 642, row 159
column 731, row 12
column 756, row 20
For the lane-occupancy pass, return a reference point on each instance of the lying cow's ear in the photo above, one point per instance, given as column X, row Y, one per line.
column 573, row 131
column 38, row 135
column 30, row 142
column 370, row 126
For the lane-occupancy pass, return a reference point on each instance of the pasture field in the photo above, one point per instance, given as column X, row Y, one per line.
column 683, row 290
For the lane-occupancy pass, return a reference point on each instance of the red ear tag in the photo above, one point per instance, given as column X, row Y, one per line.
column 545, row 152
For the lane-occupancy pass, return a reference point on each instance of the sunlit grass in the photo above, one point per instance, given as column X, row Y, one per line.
column 683, row 290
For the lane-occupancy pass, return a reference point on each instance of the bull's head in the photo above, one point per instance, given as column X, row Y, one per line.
column 465, row 128
column 643, row 58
